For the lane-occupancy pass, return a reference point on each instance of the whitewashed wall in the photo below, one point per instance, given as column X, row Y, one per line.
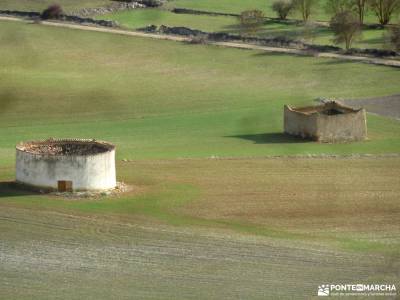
column 92, row 172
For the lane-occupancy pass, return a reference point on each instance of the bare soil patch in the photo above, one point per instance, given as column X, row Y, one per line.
column 45, row 255
column 331, row 197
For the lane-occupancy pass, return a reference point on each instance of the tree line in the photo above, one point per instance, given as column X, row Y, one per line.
column 347, row 16
column 383, row 9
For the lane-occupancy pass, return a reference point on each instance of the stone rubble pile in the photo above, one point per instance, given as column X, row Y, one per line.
column 64, row 149
column 114, row 7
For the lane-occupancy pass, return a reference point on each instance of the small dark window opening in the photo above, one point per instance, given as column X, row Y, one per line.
column 64, row 186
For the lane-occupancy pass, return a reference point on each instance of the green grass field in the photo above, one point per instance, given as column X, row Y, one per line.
column 223, row 6
column 237, row 6
column 234, row 6
column 195, row 101
column 39, row 5
column 193, row 226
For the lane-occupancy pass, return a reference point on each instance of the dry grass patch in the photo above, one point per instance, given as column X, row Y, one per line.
column 340, row 197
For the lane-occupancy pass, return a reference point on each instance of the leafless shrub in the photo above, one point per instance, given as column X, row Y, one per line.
column 384, row 9
column 305, row 7
column 346, row 27
column 337, row 6
column 359, row 6
column 282, row 8
column 251, row 20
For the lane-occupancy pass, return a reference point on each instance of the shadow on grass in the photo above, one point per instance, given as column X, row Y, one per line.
column 282, row 54
column 337, row 61
column 276, row 54
column 13, row 189
column 376, row 40
column 270, row 138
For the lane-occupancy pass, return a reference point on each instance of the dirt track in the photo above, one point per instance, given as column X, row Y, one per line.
column 376, row 61
column 388, row 106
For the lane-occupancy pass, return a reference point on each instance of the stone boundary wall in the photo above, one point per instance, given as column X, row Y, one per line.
column 345, row 127
column 279, row 41
column 299, row 124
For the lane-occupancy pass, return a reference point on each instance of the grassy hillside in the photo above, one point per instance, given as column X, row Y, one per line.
column 224, row 6
column 237, row 6
column 164, row 99
column 201, row 227
column 39, row 5
column 143, row 17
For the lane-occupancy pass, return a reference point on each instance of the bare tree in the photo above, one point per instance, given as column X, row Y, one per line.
column 346, row 27
column 305, row 7
column 360, row 6
column 309, row 32
column 337, row 6
column 251, row 20
column 282, row 8
column 384, row 9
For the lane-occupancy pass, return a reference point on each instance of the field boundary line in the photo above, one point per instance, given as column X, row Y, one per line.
column 363, row 59
column 272, row 157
